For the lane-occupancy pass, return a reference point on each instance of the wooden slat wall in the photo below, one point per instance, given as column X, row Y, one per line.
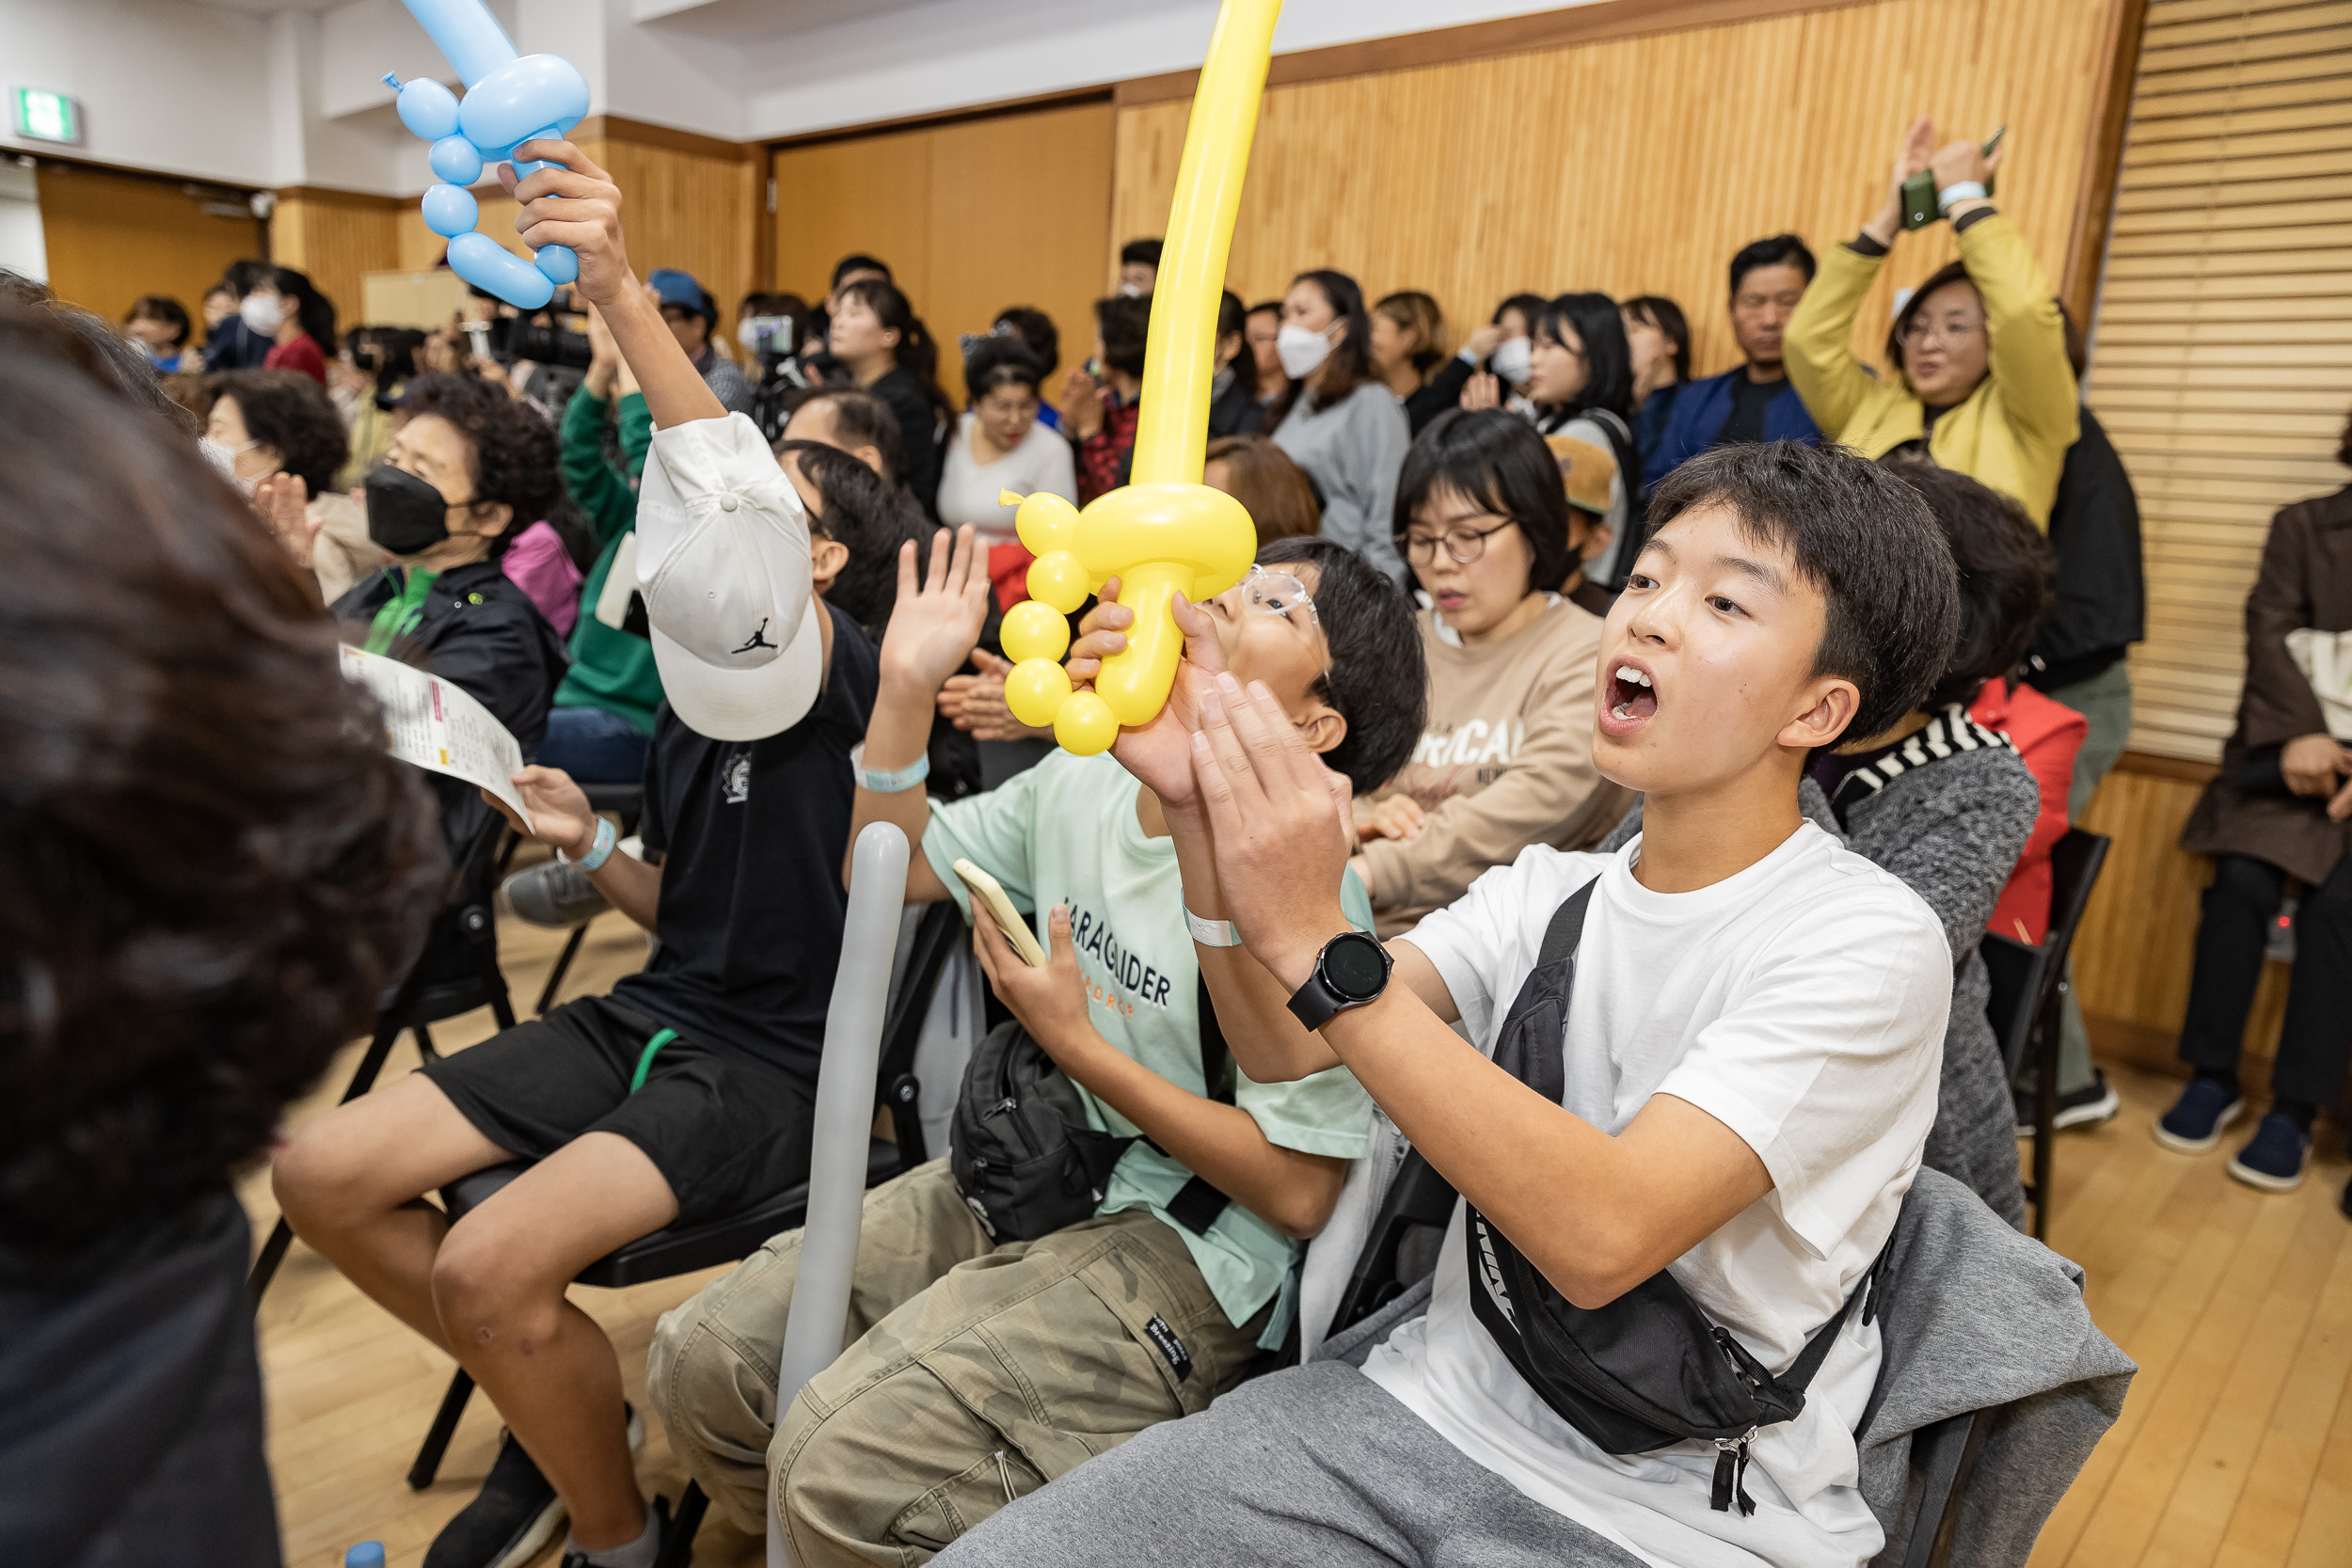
column 972, row 216
column 113, row 237
column 2223, row 362
column 336, row 238
column 1639, row 165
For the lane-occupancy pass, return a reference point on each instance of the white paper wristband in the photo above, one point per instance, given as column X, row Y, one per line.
column 1964, row 190
column 1213, row 933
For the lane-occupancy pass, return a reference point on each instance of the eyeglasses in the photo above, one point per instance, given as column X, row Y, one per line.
column 1465, row 545
column 1264, row 592
column 1918, row 330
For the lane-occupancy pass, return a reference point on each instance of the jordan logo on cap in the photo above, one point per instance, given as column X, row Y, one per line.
column 758, row 638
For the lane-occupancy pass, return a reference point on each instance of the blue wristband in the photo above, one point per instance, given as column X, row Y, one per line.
column 598, row 852
column 888, row 780
column 1962, row 190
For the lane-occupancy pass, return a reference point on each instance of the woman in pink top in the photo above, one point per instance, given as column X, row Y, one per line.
column 539, row 564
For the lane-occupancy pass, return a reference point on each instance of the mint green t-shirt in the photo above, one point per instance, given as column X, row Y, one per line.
column 1065, row 833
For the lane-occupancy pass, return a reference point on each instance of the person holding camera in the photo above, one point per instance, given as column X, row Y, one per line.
column 1982, row 381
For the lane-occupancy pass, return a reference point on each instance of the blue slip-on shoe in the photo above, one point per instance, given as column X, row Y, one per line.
column 2273, row 1159
column 2199, row 1117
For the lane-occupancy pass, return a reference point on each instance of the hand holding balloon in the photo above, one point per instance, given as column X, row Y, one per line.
column 509, row 99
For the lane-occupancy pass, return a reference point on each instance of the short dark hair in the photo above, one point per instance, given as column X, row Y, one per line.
column 1036, row 328
column 857, row 261
column 2005, row 576
column 393, row 348
column 1530, row 307
column 215, row 870
column 1231, row 317
column 868, row 514
column 1495, row 459
column 1125, row 323
column 165, row 309
column 917, row 353
column 1667, row 317
column 860, row 419
column 1859, row 534
column 1608, row 357
column 1263, row 308
column 243, row 277
column 1145, row 250
column 1379, row 678
column 1779, row 251
column 1000, row 361
column 1951, row 272
column 293, row 413
column 514, row 450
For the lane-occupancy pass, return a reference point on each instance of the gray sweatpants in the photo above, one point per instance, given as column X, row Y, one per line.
column 1314, row 1467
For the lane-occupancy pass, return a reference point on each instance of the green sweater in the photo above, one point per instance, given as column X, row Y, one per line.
column 611, row 669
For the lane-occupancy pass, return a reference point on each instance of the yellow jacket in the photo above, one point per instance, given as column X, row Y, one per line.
column 2012, row 432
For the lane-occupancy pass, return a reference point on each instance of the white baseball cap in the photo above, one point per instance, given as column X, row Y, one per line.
column 722, row 564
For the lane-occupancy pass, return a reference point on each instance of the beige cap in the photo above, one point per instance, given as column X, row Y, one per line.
column 1586, row 470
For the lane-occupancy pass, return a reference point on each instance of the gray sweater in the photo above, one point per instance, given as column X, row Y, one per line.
column 1352, row 450
column 1952, row 825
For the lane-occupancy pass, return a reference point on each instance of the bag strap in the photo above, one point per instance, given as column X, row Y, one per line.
column 1567, row 929
column 1798, row 1377
column 1197, row 1204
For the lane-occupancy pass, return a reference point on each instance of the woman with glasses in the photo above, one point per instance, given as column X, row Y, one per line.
column 1982, row 385
column 1505, row 759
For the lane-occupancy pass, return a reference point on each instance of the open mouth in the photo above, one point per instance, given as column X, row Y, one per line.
column 1632, row 694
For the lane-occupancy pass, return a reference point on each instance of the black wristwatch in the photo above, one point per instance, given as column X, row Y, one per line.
column 1352, row 968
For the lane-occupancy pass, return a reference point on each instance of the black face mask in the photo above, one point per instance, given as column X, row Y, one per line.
column 405, row 515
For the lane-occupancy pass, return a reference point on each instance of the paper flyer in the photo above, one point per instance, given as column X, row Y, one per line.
column 438, row 727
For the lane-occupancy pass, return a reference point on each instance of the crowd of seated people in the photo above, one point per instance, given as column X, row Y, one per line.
column 1748, row 671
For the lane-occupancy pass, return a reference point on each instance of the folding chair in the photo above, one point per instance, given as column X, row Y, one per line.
column 687, row 1249
column 627, row 803
column 1400, row 1251
column 2027, row 983
column 456, row 972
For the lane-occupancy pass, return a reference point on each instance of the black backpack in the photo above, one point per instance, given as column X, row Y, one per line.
column 1023, row 1155
column 1647, row 1371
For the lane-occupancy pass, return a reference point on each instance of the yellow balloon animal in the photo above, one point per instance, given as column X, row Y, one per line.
column 1165, row 532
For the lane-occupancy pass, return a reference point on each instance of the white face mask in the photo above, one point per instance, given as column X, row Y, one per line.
column 1302, row 350
column 263, row 313
column 1128, row 290
column 1511, row 360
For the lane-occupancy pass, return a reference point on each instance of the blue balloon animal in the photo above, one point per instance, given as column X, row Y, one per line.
column 510, row 100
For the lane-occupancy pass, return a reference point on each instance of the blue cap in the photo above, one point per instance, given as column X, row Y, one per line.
column 367, row 1554
column 675, row 286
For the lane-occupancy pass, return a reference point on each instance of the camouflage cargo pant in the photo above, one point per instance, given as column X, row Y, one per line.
column 975, row 1372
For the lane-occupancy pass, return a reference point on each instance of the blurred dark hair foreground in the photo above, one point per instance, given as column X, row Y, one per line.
column 214, row 869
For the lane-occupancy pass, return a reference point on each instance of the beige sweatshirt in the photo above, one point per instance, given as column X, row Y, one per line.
column 1506, row 762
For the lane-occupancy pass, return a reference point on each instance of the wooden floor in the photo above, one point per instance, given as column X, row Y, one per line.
column 2234, row 1449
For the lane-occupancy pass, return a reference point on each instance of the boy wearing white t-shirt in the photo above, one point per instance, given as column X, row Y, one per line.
column 1748, row 1072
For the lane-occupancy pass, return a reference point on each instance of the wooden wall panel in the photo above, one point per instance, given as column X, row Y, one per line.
column 694, row 210
column 972, row 216
column 113, row 237
column 336, row 238
column 1639, row 164
column 2223, row 362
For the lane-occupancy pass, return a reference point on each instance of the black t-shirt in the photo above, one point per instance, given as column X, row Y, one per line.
column 753, row 833
column 1749, row 399
column 918, row 434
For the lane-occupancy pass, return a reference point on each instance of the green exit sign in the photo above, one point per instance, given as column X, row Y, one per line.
column 45, row 115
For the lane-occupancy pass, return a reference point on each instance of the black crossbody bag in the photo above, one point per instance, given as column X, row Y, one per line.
column 1647, row 1371
column 1023, row 1155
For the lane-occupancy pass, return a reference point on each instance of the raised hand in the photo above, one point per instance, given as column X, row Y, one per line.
column 1160, row 753
column 1964, row 160
column 1483, row 341
column 934, row 626
column 283, row 501
column 1280, row 830
column 587, row 218
column 976, row 703
column 1913, row 150
column 1482, row 390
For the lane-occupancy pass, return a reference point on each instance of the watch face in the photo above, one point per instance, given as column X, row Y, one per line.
column 1355, row 966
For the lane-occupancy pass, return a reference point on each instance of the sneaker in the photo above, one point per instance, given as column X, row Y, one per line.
column 556, row 893
column 662, row 1526
column 2093, row 1104
column 515, row 1514
column 2274, row 1158
column 2198, row 1119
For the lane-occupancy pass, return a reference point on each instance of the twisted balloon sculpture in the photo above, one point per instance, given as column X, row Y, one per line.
column 510, row 100
column 1165, row 533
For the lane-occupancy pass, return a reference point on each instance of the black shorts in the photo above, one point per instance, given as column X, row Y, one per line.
column 724, row 1132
